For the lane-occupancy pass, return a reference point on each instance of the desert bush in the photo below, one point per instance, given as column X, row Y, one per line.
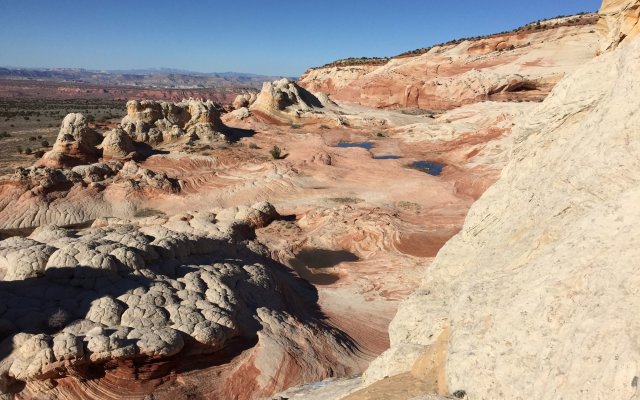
column 44, row 143
column 19, row 149
column 276, row 153
column 253, row 146
column 32, row 138
column 38, row 153
column 28, row 151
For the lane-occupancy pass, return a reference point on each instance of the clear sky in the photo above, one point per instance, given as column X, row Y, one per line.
column 259, row 36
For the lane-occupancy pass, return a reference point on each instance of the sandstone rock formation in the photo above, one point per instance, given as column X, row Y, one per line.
column 117, row 144
column 76, row 144
column 619, row 20
column 244, row 100
column 533, row 298
column 283, row 100
column 77, row 302
column 522, row 65
column 40, row 195
column 154, row 122
column 179, row 304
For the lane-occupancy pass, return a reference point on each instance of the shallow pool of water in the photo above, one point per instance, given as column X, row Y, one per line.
column 430, row 167
column 386, row 157
column 362, row 145
column 309, row 263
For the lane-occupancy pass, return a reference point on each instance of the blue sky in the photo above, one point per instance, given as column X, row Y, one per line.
column 265, row 37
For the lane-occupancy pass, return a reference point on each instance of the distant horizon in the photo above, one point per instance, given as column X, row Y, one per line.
column 149, row 69
column 283, row 39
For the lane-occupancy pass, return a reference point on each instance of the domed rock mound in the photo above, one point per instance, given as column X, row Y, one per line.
column 154, row 122
column 81, row 310
column 117, row 144
column 284, row 100
column 244, row 100
column 75, row 145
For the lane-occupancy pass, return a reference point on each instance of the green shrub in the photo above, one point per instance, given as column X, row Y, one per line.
column 276, row 153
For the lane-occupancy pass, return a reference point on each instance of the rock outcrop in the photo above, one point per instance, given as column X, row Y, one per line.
column 619, row 20
column 534, row 297
column 284, row 100
column 153, row 122
column 76, row 144
column 244, row 100
column 40, row 195
column 76, row 305
column 117, row 144
column 519, row 66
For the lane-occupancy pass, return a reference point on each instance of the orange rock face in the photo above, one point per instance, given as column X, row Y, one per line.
column 619, row 20
column 522, row 65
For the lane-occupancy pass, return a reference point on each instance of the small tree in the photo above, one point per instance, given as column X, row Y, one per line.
column 28, row 151
column 276, row 153
column 19, row 149
column 38, row 153
column 45, row 143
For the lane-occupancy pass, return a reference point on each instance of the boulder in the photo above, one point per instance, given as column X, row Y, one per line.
column 244, row 100
column 117, row 144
